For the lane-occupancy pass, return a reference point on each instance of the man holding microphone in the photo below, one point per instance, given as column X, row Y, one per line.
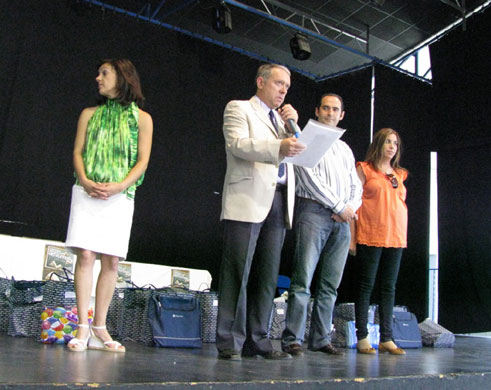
column 257, row 208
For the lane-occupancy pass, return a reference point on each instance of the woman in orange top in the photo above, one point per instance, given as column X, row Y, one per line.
column 380, row 235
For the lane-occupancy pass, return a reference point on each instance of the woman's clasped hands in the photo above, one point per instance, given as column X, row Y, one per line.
column 102, row 190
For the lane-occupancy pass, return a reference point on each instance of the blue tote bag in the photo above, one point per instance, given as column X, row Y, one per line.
column 405, row 330
column 175, row 320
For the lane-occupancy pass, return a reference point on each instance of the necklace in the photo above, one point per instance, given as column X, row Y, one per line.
column 386, row 169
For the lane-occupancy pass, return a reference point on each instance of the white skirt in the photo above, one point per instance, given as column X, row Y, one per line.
column 102, row 226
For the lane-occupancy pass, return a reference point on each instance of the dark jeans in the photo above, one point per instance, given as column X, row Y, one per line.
column 370, row 260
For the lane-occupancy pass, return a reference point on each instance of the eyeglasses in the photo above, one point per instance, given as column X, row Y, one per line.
column 392, row 179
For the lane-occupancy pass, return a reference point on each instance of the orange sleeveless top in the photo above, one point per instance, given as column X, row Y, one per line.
column 382, row 217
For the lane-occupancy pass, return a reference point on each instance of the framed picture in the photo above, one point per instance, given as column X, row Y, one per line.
column 179, row 278
column 56, row 260
column 124, row 275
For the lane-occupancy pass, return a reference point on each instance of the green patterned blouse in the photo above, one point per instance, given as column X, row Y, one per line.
column 111, row 144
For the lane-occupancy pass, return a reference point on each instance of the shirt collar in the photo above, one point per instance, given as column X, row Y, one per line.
column 263, row 105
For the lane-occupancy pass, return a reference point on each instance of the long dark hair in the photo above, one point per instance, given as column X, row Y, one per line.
column 128, row 82
column 374, row 153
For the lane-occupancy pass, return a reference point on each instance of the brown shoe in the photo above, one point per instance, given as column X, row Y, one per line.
column 393, row 351
column 366, row 351
column 293, row 349
column 330, row 349
column 363, row 346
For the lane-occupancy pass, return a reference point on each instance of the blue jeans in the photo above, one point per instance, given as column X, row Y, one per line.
column 321, row 243
column 386, row 262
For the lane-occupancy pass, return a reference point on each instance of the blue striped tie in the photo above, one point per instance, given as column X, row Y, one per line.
column 281, row 170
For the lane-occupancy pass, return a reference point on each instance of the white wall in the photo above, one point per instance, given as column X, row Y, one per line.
column 23, row 258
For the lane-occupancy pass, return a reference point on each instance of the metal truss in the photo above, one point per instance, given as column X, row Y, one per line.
column 154, row 12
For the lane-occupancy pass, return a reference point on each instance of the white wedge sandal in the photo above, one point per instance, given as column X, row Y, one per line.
column 78, row 345
column 109, row 346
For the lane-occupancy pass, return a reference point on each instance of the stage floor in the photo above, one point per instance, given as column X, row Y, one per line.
column 28, row 364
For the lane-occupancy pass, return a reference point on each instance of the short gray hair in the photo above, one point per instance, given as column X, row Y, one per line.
column 265, row 70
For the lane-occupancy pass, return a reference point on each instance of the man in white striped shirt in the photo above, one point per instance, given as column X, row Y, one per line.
column 328, row 196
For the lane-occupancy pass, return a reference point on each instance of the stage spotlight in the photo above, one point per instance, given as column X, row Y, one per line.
column 222, row 19
column 300, row 47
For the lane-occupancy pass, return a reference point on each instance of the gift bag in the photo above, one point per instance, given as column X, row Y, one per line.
column 405, row 330
column 338, row 336
column 59, row 324
column 26, row 304
column 352, row 340
column 115, row 311
column 133, row 324
column 345, row 311
column 208, row 302
column 277, row 321
column 59, row 290
column 435, row 335
column 175, row 319
column 5, row 288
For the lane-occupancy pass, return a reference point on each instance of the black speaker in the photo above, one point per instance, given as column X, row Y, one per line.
column 222, row 19
column 300, row 47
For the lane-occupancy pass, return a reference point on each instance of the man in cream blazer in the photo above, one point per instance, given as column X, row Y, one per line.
column 257, row 207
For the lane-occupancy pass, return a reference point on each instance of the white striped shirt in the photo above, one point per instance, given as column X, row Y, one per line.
column 333, row 182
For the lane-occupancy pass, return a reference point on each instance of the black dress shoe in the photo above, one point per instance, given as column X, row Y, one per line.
column 276, row 355
column 270, row 355
column 330, row 349
column 229, row 354
column 293, row 349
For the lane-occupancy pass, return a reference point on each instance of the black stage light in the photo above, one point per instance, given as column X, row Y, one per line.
column 300, row 47
column 222, row 19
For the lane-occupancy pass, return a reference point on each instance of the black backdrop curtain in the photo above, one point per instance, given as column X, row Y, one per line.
column 49, row 52
column 461, row 65
column 49, row 55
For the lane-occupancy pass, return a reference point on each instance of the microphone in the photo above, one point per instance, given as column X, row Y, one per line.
column 293, row 127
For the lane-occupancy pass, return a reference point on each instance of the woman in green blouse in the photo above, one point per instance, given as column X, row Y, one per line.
column 110, row 156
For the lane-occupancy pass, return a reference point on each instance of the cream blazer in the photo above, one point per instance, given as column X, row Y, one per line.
column 252, row 148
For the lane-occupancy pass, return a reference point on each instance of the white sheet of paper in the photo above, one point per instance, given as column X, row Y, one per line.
column 318, row 138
